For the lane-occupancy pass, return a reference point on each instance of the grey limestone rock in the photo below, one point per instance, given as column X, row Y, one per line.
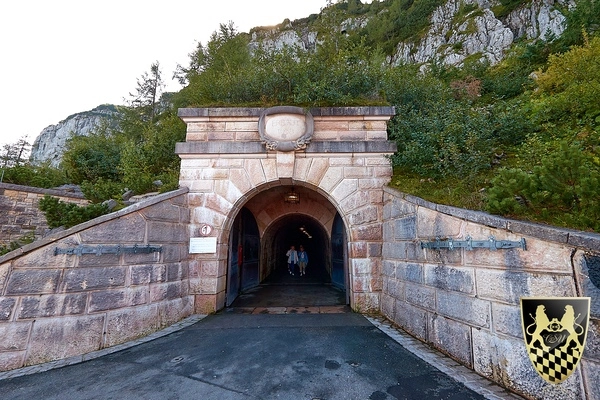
column 49, row 146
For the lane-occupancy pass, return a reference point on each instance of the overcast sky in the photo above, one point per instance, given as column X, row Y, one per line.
column 61, row 57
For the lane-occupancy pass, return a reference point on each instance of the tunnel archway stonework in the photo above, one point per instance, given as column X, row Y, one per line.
column 339, row 165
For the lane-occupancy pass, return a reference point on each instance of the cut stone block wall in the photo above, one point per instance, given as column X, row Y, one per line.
column 225, row 165
column 57, row 306
column 467, row 303
column 19, row 212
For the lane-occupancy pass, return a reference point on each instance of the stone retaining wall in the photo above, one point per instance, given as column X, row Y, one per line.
column 19, row 212
column 57, row 306
column 467, row 303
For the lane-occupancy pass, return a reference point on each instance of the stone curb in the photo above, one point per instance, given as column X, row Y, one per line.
column 184, row 323
column 448, row 366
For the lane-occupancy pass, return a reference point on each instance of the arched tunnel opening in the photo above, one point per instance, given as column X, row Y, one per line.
column 297, row 230
column 274, row 285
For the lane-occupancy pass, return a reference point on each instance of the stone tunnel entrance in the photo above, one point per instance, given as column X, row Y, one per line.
column 257, row 252
column 239, row 163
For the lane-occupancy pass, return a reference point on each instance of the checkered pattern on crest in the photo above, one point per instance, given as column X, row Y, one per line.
column 555, row 365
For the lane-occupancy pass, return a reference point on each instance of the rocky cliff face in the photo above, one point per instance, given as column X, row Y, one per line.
column 454, row 35
column 50, row 144
column 459, row 29
column 285, row 35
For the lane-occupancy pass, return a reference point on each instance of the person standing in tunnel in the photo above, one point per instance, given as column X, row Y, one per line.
column 292, row 256
column 302, row 260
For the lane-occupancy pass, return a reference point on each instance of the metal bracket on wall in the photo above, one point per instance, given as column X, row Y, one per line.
column 99, row 250
column 470, row 244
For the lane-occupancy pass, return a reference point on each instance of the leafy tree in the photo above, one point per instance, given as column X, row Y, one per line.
column 569, row 88
column 89, row 158
column 582, row 20
column 225, row 72
column 216, row 70
column 557, row 169
column 136, row 152
column 509, row 78
column 153, row 157
column 16, row 168
column 438, row 130
column 102, row 189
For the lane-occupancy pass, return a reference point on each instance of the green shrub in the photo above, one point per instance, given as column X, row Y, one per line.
column 506, row 7
column 568, row 89
column 563, row 190
column 88, row 158
column 102, row 190
column 20, row 242
column 42, row 176
column 59, row 213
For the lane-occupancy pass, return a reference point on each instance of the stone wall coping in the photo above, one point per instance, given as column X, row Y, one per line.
column 256, row 111
column 51, row 192
column 550, row 233
column 53, row 237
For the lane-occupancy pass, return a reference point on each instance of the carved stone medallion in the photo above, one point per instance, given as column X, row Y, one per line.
column 285, row 128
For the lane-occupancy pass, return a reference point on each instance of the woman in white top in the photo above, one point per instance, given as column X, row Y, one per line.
column 292, row 260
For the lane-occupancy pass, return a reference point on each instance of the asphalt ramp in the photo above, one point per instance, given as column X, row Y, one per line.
column 233, row 355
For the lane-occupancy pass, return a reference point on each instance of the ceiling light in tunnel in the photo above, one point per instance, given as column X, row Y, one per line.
column 303, row 230
column 292, row 197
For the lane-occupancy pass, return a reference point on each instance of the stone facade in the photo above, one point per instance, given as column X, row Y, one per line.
column 19, row 212
column 58, row 306
column 224, row 165
column 467, row 303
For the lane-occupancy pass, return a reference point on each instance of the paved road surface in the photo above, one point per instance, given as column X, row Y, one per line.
column 255, row 356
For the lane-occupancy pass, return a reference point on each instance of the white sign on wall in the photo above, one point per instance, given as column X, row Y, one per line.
column 204, row 245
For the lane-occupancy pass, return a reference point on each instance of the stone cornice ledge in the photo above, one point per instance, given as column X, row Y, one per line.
column 88, row 224
column 551, row 233
column 375, row 146
column 255, row 111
